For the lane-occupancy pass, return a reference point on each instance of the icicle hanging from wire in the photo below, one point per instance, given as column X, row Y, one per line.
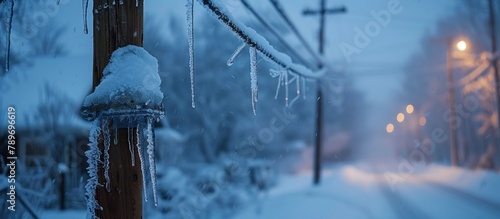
column 286, row 88
column 277, row 73
column 254, row 83
column 236, row 52
column 85, row 6
column 295, row 79
column 8, row 25
column 304, row 88
column 190, row 27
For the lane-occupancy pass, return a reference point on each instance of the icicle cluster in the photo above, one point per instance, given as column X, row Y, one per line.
column 101, row 127
column 284, row 81
column 258, row 44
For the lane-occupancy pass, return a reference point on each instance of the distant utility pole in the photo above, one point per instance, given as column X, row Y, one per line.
column 323, row 11
column 451, row 96
column 495, row 59
column 117, row 25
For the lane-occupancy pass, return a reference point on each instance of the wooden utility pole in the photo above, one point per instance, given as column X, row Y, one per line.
column 118, row 24
column 451, row 97
column 494, row 61
column 323, row 11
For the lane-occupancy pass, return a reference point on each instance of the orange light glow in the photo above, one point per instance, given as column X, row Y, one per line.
column 400, row 117
column 389, row 128
column 422, row 121
column 462, row 45
column 409, row 109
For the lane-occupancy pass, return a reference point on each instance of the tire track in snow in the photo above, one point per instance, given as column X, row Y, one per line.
column 402, row 208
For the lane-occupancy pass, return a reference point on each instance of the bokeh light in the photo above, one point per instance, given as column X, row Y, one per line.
column 389, row 128
column 400, row 117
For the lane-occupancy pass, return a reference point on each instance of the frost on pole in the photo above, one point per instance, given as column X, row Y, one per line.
column 129, row 97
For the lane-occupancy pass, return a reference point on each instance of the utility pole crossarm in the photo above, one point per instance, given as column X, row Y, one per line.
column 337, row 10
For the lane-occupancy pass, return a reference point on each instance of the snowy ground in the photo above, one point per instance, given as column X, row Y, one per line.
column 362, row 191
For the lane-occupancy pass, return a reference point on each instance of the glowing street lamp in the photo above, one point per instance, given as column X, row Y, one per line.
column 462, row 45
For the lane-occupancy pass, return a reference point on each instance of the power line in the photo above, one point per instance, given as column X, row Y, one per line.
column 273, row 31
column 277, row 6
column 256, row 41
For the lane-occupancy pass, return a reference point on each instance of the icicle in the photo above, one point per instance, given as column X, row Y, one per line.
column 121, row 2
column 297, row 82
column 93, row 156
column 9, row 31
column 107, row 141
column 136, row 3
column 114, row 2
column 236, row 52
column 190, row 26
column 85, row 5
column 280, row 80
column 151, row 156
column 141, row 158
column 254, row 86
column 298, row 85
column 131, row 145
column 286, row 87
column 304, row 88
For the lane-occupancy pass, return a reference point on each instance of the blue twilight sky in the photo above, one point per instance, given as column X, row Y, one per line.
column 377, row 67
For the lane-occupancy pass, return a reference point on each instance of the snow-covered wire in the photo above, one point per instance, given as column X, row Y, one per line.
column 276, row 34
column 253, row 39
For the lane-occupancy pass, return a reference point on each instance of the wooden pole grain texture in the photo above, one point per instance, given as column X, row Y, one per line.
column 114, row 26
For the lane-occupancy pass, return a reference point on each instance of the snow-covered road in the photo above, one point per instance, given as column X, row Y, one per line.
column 360, row 192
